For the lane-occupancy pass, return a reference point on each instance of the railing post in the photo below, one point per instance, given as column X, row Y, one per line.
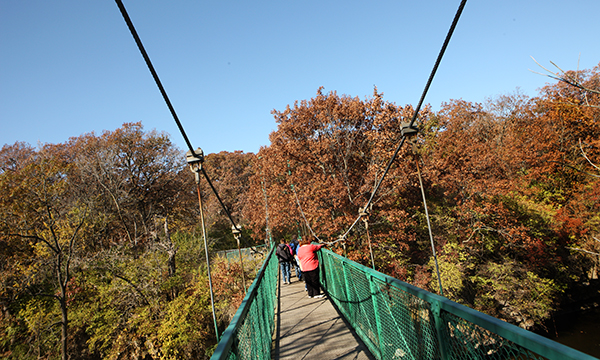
column 374, row 298
column 348, row 302
column 439, row 328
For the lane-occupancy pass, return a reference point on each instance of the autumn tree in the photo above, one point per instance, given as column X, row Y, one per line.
column 495, row 177
column 571, row 108
column 136, row 171
column 517, row 183
column 323, row 164
column 47, row 225
column 87, row 206
column 229, row 174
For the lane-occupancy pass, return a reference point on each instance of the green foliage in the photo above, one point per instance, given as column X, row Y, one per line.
column 185, row 331
column 510, row 292
column 454, row 265
column 126, row 311
column 39, row 317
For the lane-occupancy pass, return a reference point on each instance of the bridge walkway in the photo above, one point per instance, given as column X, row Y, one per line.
column 308, row 328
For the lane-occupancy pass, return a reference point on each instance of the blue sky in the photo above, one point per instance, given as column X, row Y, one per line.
column 72, row 67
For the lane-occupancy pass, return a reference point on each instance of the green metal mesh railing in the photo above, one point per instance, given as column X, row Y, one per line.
column 394, row 319
column 248, row 336
column 250, row 252
column 399, row 321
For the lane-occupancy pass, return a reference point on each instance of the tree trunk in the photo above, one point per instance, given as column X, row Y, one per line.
column 64, row 325
column 171, row 250
column 63, row 281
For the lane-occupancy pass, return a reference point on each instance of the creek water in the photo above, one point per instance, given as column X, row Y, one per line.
column 580, row 331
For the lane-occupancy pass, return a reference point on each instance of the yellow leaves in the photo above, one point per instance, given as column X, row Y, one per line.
column 26, row 271
column 39, row 315
column 42, row 250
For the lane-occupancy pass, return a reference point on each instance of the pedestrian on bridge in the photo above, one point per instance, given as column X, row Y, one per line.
column 284, row 255
column 295, row 245
column 309, row 262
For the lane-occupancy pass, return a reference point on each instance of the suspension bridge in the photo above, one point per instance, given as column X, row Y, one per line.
column 366, row 314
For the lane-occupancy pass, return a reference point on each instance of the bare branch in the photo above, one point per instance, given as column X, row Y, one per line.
column 487, row 228
column 35, row 237
column 566, row 79
column 540, row 65
column 573, row 80
column 585, row 251
column 574, row 168
column 133, row 286
column 585, row 156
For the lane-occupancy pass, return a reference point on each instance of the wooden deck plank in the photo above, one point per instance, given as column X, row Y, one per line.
column 308, row 328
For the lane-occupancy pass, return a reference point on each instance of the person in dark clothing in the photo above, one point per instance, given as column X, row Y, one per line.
column 284, row 255
column 295, row 245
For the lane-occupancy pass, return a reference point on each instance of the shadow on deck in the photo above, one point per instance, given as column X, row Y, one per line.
column 308, row 328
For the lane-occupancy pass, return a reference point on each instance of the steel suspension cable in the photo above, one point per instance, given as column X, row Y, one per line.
column 417, row 109
column 268, row 239
column 212, row 297
column 300, row 206
column 435, row 259
column 219, row 198
column 138, row 41
column 304, row 217
column 439, row 58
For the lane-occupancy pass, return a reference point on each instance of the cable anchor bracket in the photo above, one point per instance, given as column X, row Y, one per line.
column 195, row 160
column 408, row 131
column 237, row 233
column 364, row 213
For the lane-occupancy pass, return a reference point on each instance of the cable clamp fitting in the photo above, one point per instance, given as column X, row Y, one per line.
column 235, row 229
column 195, row 159
column 408, row 130
column 365, row 211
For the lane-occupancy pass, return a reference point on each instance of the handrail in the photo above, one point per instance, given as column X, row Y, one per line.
column 399, row 320
column 248, row 335
column 395, row 320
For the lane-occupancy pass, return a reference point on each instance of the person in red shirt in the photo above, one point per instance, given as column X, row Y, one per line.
column 309, row 263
